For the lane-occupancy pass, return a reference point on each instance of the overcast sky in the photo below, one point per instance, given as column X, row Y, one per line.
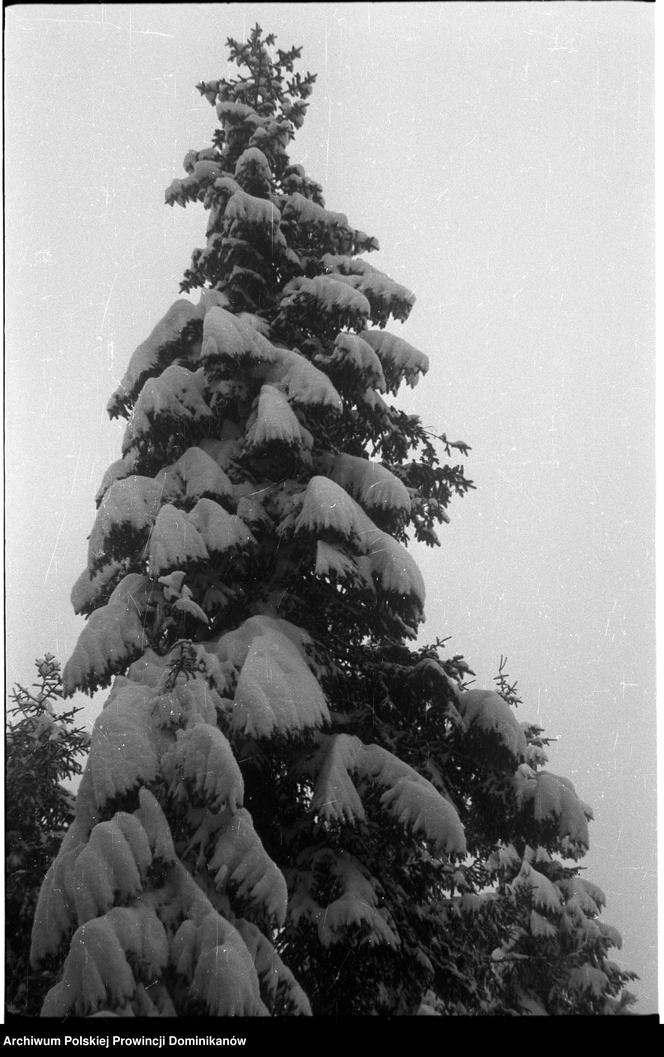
column 503, row 155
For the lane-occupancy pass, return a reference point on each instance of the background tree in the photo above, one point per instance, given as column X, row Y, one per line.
column 43, row 749
column 280, row 791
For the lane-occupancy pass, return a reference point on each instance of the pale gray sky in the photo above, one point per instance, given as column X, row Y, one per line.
column 503, row 155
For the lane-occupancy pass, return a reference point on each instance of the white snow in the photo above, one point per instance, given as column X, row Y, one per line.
column 240, row 861
column 330, row 296
column 541, row 926
column 407, row 795
column 130, row 504
column 147, row 359
column 204, row 171
column 123, row 752
column 374, row 486
column 104, row 867
column 273, row 421
column 304, row 383
column 253, row 161
column 177, row 394
column 330, row 561
column 276, row 690
column 224, row 975
column 156, row 827
column 357, row 905
column 174, row 541
column 358, row 353
column 327, row 506
column 113, row 636
column 244, row 209
column 202, row 762
column 588, row 978
column 228, row 336
column 544, row 893
column 374, row 284
column 231, row 113
column 123, row 467
column 399, row 359
column 392, row 565
column 309, row 213
column 271, row 970
column 488, row 711
column 336, row 798
column 194, row 475
column 219, row 530
column 555, row 796
column 88, row 589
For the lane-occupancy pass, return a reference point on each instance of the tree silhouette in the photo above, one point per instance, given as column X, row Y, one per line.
column 289, row 807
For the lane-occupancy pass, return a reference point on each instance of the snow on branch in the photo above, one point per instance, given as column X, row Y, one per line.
column 240, row 862
column 124, row 748
column 276, row 690
column 194, row 476
column 274, row 422
column 165, row 342
column 346, row 766
column 486, row 710
column 554, row 797
column 371, row 484
column 304, row 383
column 399, row 359
column 357, row 359
column 113, row 637
column 170, row 403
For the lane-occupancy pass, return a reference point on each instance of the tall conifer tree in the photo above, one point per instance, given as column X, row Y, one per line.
column 287, row 808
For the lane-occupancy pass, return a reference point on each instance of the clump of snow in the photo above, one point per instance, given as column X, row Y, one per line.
column 156, row 827
column 356, row 905
column 276, row 690
column 273, row 421
column 398, row 359
column 554, row 797
column 153, row 354
column 357, row 354
column 228, row 337
column 545, row 894
column 373, row 485
column 90, row 590
column 276, row 979
column 220, row 531
column 303, row 382
column 488, row 711
column 328, row 295
column 588, row 977
column 123, row 752
column 335, row 796
column 114, row 636
column 232, row 113
column 202, row 764
column 97, row 972
column 330, row 561
column 129, row 507
column 193, row 476
column 243, row 209
column 408, row 796
column 327, row 506
column 174, row 542
column 176, row 396
column 385, row 296
column 239, row 861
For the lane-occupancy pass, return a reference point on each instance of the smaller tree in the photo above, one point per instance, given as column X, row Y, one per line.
column 43, row 750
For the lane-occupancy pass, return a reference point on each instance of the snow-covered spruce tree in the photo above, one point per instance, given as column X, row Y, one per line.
column 287, row 809
column 43, row 749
